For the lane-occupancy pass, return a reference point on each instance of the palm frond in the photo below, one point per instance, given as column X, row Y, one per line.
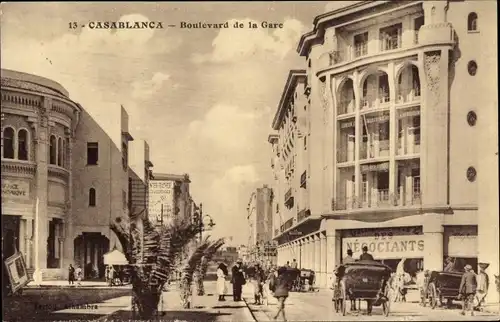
column 123, row 235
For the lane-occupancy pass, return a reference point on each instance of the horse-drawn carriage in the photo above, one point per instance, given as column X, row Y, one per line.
column 442, row 286
column 302, row 280
column 363, row 280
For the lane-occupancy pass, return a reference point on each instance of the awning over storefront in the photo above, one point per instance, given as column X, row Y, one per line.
column 115, row 257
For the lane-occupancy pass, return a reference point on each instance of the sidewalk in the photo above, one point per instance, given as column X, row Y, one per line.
column 64, row 284
column 204, row 308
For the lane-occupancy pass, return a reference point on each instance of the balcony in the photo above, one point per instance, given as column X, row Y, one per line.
column 303, row 214
column 288, row 197
column 58, row 172
column 413, row 198
column 18, row 168
column 346, row 106
column 437, row 34
column 375, row 149
column 409, row 95
column 345, row 155
column 374, row 101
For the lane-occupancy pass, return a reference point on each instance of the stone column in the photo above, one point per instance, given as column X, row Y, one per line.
column 358, row 133
column 69, row 250
column 61, row 252
column 28, row 242
column 22, row 233
column 393, row 135
column 333, row 243
column 41, row 227
column 433, row 244
column 324, row 260
column 317, row 255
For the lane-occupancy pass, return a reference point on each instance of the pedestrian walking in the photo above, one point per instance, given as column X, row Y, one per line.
column 71, row 275
column 259, row 279
column 221, row 281
column 468, row 287
column 79, row 275
column 281, row 288
column 238, row 280
column 365, row 256
column 483, row 284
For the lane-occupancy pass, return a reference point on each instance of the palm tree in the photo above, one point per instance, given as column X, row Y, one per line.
column 151, row 252
column 188, row 271
column 201, row 270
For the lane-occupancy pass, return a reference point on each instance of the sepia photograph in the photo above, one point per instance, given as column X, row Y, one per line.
column 250, row 161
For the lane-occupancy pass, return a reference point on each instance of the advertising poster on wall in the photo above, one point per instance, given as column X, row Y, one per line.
column 161, row 194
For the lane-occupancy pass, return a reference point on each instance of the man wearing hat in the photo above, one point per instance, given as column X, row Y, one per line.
column 365, row 256
column 483, row 283
column 348, row 258
column 468, row 287
column 238, row 280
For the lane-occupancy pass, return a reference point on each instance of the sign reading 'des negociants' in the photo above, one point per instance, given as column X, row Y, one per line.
column 15, row 189
column 387, row 247
column 161, row 192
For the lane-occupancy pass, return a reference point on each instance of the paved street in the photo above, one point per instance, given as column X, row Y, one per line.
column 205, row 308
column 318, row 307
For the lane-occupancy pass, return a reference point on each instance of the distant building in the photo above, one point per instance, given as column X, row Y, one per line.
column 260, row 222
column 169, row 192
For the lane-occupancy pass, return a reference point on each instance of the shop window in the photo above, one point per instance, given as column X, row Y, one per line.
column 472, row 22
column 8, row 143
column 59, row 152
column 92, row 153
column 92, row 197
column 52, row 150
column 471, row 118
column 472, row 68
column 22, row 144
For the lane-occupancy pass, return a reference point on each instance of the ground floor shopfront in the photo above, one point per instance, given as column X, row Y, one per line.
column 423, row 241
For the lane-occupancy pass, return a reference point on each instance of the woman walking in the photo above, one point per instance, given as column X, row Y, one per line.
column 281, row 288
column 221, row 281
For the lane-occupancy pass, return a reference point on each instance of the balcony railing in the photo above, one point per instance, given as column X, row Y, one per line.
column 371, row 151
column 375, row 101
column 408, row 95
column 288, row 195
column 337, row 57
column 415, row 37
column 345, row 156
column 346, row 106
column 361, row 49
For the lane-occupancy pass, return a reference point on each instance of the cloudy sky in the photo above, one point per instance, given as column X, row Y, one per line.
column 204, row 99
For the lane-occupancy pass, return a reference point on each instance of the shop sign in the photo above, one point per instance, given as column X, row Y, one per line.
column 161, row 194
column 345, row 125
column 15, row 189
column 386, row 247
column 410, row 114
column 377, row 119
column 375, row 167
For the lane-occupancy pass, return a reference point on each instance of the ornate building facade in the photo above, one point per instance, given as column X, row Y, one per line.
column 394, row 156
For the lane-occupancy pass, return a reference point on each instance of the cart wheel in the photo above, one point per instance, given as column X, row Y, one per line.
column 432, row 293
column 343, row 297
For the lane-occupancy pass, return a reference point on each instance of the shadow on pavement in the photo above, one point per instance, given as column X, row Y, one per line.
column 170, row 316
column 228, row 307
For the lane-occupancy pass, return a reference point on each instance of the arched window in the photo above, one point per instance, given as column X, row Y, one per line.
column 59, row 152
column 8, row 143
column 52, row 150
column 22, row 144
column 92, row 197
column 472, row 21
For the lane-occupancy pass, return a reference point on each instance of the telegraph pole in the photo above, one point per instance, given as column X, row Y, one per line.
column 200, row 218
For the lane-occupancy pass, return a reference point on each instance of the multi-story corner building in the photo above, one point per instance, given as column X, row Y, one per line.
column 39, row 123
column 394, row 160
column 63, row 177
column 260, row 222
column 101, row 186
column 169, row 192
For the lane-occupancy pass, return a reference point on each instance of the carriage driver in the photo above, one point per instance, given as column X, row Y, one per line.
column 348, row 258
column 365, row 256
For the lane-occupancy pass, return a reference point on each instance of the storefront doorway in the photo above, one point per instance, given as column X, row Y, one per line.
column 10, row 235
column 90, row 248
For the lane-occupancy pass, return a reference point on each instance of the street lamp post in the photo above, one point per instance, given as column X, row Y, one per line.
column 201, row 225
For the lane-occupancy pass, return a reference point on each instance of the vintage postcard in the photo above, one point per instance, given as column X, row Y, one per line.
column 250, row 161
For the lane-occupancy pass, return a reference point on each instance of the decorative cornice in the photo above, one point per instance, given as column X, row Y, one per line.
column 18, row 167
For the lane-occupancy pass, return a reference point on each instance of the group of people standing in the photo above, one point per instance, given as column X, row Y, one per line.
column 75, row 274
column 277, row 280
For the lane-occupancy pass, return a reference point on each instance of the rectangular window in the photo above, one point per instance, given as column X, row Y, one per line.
column 364, row 188
column 92, row 153
column 124, row 196
column 418, row 23
column 361, row 44
column 125, row 156
column 416, row 129
column 390, row 37
column 305, row 142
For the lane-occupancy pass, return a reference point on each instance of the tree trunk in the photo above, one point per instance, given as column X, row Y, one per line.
column 145, row 301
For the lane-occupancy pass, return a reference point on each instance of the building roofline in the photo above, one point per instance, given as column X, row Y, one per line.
column 172, row 177
column 318, row 22
column 293, row 76
column 35, row 79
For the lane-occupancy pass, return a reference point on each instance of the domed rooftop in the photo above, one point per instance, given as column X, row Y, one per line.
column 30, row 82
